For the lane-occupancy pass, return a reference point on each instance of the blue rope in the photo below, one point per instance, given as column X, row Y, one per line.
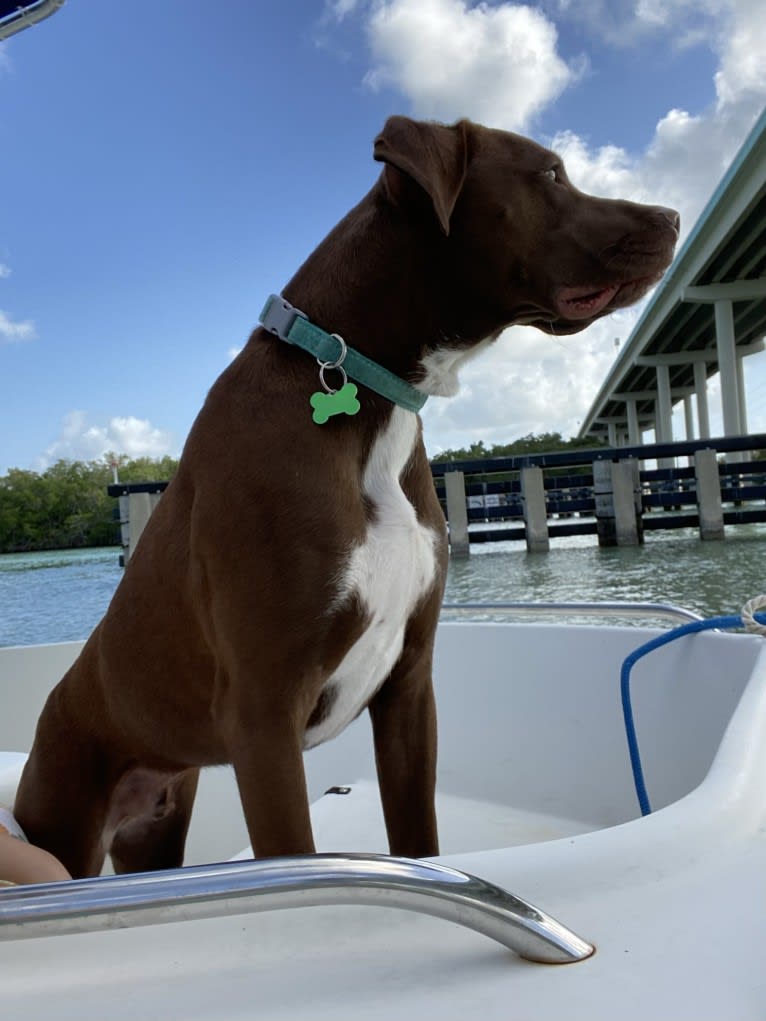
column 722, row 624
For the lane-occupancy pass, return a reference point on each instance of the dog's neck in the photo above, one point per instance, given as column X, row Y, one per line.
column 362, row 270
column 331, row 352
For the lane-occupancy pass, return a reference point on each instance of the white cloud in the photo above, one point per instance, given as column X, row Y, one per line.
column 733, row 29
column 622, row 23
column 82, row 441
column 340, row 9
column 14, row 332
column 528, row 382
column 742, row 71
column 496, row 64
column 689, row 153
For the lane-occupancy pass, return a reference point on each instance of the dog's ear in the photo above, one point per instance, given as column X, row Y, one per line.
column 433, row 155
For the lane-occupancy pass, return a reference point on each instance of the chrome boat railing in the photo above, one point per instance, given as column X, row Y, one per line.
column 580, row 609
column 232, row 888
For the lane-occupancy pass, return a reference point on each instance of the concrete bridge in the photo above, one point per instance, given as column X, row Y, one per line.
column 707, row 317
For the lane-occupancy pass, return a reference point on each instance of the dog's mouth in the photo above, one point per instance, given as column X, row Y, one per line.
column 583, row 302
column 575, row 303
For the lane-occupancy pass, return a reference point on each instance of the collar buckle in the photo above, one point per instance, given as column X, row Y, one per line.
column 278, row 317
column 293, row 326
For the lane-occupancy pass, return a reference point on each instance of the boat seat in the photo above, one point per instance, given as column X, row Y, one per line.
column 11, row 765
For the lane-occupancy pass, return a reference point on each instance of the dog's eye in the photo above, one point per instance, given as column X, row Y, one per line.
column 552, row 174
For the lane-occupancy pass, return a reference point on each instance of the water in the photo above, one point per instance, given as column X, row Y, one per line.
column 711, row 578
column 60, row 596
column 56, row 596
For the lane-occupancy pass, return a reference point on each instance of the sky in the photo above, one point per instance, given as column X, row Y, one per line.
column 166, row 165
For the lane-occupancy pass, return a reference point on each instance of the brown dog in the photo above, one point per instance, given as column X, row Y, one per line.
column 292, row 572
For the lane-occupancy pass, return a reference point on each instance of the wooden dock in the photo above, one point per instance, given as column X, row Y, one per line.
column 604, row 491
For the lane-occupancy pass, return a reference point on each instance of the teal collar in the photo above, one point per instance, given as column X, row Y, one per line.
column 330, row 350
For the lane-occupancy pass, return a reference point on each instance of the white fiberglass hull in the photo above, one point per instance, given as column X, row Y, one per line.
column 535, row 795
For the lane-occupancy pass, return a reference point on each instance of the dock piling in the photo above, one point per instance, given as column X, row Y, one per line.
column 457, row 513
column 617, row 495
column 709, row 506
column 535, row 513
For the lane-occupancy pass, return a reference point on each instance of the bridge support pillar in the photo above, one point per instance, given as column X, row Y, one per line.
column 742, row 398
column 664, row 405
column 664, row 410
column 634, row 429
column 535, row 514
column 617, row 493
column 727, row 366
column 709, row 505
column 700, row 389
column 726, row 350
column 689, row 417
column 457, row 513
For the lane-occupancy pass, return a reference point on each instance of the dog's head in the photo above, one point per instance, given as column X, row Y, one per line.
column 515, row 241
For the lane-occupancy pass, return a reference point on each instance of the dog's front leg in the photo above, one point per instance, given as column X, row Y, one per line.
column 403, row 716
column 268, row 763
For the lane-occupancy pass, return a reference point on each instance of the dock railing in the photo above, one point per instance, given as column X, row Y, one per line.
column 610, row 492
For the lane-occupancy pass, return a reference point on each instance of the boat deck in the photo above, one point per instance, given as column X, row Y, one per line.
column 353, row 821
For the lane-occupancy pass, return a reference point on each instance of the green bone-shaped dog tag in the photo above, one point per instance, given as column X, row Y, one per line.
column 341, row 402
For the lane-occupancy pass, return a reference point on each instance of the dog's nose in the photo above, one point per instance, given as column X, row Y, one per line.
column 673, row 218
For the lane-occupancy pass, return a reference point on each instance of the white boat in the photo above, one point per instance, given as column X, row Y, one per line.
column 660, row 916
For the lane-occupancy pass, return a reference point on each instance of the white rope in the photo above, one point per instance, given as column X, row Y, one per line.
column 749, row 610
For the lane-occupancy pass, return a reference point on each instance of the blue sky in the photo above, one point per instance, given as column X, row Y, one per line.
column 164, row 168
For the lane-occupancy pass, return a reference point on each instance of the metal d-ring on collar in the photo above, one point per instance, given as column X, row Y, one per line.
column 292, row 325
column 337, row 364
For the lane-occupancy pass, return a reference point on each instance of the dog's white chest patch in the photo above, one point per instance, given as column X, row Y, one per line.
column 441, row 367
column 389, row 572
